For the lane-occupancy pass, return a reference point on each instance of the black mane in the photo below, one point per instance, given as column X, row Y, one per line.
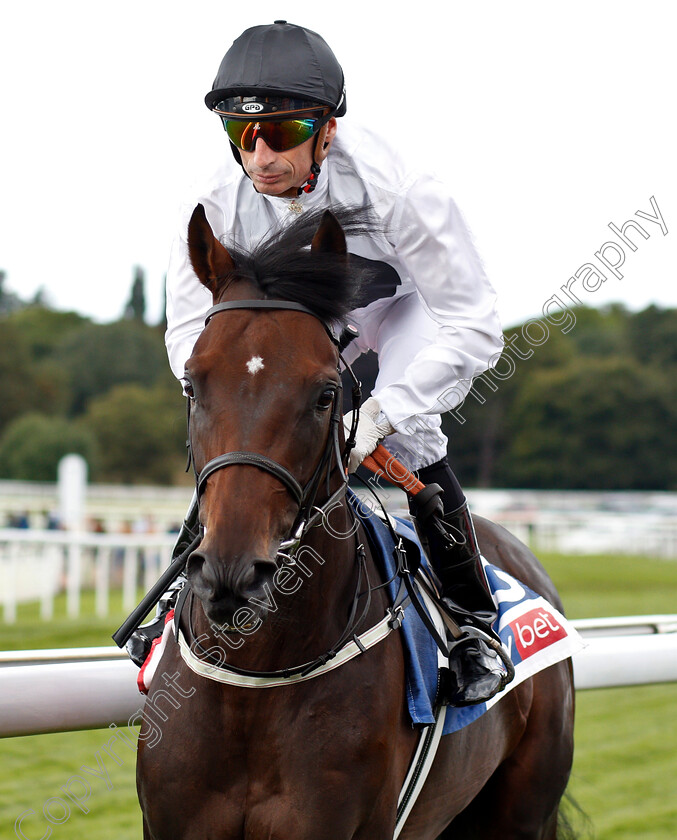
column 282, row 266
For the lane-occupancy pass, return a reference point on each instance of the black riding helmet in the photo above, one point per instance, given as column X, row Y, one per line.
column 286, row 69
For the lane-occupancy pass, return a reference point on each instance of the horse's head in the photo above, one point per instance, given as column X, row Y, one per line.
column 261, row 382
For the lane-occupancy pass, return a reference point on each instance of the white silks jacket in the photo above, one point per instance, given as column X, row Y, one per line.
column 433, row 336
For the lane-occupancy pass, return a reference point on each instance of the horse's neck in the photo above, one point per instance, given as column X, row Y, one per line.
column 309, row 602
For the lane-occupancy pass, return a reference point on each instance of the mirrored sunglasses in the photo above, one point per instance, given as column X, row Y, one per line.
column 279, row 136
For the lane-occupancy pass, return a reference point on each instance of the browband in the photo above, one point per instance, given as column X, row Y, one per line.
column 347, row 335
column 260, row 304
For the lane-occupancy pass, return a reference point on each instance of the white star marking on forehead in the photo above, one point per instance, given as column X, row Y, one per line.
column 255, row 364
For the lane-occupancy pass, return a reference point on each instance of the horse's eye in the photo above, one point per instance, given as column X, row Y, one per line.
column 188, row 388
column 326, row 399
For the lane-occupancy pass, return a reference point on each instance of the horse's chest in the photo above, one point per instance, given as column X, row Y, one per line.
column 274, row 769
column 303, row 761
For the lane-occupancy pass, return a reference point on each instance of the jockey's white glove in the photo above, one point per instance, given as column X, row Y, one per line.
column 373, row 426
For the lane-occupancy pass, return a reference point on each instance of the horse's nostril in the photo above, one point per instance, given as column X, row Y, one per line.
column 195, row 564
column 201, row 576
column 256, row 579
column 224, row 586
column 247, row 578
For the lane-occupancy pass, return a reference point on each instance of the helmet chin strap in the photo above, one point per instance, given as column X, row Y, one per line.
column 311, row 183
column 315, row 170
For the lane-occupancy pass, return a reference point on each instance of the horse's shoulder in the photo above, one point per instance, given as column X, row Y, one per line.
column 503, row 549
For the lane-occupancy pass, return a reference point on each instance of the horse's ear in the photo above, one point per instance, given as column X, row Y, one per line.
column 210, row 260
column 329, row 237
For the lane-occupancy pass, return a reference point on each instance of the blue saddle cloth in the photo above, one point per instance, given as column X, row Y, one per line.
column 420, row 651
column 535, row 634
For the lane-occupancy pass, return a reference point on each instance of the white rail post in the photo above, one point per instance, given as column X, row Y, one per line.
column 72, row 489
column 73, row 576
column 151, row 565
column 129, row 578
column 11, row 564
column 165, row 558
column 52, row 559
column 102, row 579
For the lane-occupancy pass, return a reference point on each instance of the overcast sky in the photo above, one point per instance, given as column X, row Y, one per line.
column 548, row 121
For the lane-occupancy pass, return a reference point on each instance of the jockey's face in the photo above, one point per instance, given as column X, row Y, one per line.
column 282, row 173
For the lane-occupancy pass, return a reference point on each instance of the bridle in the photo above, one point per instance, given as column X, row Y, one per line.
column 304, row 496
column 348, row 644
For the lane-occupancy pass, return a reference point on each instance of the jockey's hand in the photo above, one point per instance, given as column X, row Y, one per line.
column 372, row 427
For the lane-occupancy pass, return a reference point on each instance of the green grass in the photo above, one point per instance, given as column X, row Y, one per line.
column 34, row 769
column 625, row 768
column 31, row 632
column 597, row 586
column 625, row 771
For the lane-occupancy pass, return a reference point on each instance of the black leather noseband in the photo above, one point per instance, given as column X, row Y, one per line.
column 263, row 462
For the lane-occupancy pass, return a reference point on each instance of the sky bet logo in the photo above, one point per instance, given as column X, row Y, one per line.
column 531, row 632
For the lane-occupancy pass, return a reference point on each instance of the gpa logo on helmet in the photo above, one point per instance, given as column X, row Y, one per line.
column 252, row 107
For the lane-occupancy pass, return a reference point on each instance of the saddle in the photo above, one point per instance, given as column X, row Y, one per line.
column 531, row 630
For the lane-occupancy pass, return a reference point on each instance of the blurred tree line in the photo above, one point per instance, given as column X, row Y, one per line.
column 104, row 391
column 595, row 408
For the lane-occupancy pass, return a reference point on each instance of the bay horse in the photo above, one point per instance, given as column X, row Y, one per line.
column 319, row 758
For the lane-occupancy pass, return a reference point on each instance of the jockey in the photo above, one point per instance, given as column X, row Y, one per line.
column 432, row 321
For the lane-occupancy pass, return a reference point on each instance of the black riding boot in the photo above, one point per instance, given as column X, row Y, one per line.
column 140, row 642
column 476, row 672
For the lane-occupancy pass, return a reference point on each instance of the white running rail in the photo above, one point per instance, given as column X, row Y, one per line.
column 91, row 688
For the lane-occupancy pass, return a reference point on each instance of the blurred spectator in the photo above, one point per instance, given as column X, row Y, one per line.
column 52, row 521
column 18, row 520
